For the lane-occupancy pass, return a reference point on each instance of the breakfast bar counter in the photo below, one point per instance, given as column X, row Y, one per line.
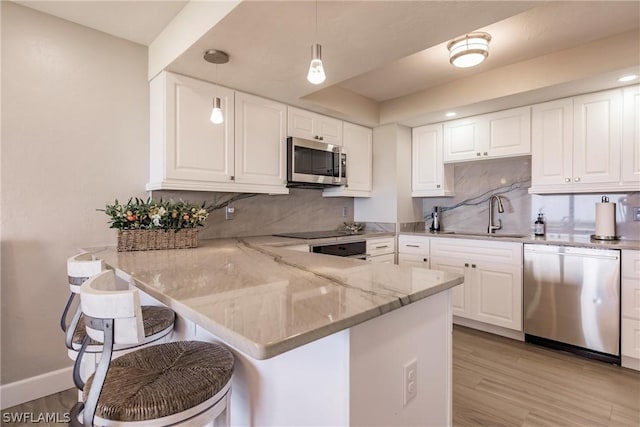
column 318, row 339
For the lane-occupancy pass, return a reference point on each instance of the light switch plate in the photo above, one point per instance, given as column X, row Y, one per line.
column 636, row 213
column 229, row 212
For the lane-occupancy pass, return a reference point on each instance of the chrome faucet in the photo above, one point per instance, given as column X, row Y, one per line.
column 492, row 228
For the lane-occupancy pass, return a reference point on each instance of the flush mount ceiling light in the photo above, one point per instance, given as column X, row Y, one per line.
column 451, row 114
column 316, row 69
column 469, row 50
column 216, row 57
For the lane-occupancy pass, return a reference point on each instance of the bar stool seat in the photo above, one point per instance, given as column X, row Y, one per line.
column 184, row 382
column 158, row 321
column 159, row 381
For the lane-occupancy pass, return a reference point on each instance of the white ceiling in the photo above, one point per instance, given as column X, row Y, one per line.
column 380, row 50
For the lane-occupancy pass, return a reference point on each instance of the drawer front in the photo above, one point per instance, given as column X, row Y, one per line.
column 415, row 260
column 382, row 259
column 630, row 338
column 631, row 264
column 381, row 246
column 413, row 245
column 630, row 298
column 478, row 250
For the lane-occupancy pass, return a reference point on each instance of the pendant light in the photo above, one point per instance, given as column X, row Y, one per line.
column 316, row 70
column 469, row 50
column 216, row 57
column 216, row 114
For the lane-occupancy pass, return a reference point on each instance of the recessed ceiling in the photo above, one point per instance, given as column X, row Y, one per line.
column 375, row 52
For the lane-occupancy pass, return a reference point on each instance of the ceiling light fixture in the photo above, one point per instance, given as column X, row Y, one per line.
column 628, row 78
column 216, row 57
column 469, row 50
column 316, row 73
column 451, row 114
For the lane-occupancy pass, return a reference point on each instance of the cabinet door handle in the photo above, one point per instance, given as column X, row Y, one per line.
column 412, row 246
column 485, row 153
column 478, row 154
column 466, row 264
column 321, row 138
column 576, row 179
column 567, row 180
column 437, row 185
column 383, row 246
column 473, row 266
column 424, row 259
column 232, row 178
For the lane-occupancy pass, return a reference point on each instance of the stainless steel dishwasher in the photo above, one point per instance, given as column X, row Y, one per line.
column 572, row 299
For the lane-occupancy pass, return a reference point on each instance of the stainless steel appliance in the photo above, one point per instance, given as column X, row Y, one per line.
column 572, row 299
column 312, row 164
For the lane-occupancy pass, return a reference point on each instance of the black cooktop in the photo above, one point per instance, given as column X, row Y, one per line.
column 316, row 234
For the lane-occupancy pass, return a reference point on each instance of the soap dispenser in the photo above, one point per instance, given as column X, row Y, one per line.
column 538, row 226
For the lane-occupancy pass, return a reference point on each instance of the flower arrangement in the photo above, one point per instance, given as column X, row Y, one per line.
column 138, row 214
column 145, row 225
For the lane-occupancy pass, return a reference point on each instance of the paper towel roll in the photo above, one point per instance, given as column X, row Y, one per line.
column 605, row 220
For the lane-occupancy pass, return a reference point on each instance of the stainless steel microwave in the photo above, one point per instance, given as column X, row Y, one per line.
column 312, row 164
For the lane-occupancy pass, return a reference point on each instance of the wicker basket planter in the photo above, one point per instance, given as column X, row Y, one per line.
column 148, row 240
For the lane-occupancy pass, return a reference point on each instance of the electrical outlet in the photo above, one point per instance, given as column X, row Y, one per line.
column 636, row 213
column 229, row 212
column 410, row 381
column 344, row 211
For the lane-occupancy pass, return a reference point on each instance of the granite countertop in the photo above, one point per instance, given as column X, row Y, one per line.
column 265, row 300
column 577, row 240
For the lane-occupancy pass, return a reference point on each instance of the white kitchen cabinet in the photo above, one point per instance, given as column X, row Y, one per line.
column 577, row 145
column 492, row 290
column 501, row 134
column 381, row 249
column 188, row 152
column 430, row 177
column 552, row 143
column 597, row 133
column 413, row 250
column 631, row 136
column 630, row 309
column 260, row 141
column 357, row 142
column 313, row 126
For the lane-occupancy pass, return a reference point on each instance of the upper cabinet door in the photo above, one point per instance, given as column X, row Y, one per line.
column 465, row 139
column 316, row 127
column 260, row 141
column 597, row 133
column 429, row 176
column 197, row 149
column 631, row 136
column 509, row 133
column 358, row 144
column 552, row 143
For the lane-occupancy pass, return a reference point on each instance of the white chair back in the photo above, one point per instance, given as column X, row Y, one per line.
column 105, row 296
column 80, row 267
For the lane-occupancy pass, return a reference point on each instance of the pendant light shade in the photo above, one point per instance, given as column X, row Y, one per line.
column 469, row 50
column 316, row 70
column 216, row 114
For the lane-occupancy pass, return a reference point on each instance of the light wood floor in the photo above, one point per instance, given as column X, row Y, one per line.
column 501, row 382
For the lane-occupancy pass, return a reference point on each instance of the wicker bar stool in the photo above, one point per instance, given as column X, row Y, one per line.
column 185, row 382
column 158, row 321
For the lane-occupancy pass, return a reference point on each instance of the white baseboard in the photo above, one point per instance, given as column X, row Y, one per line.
column 485, row 327
column 22, row 391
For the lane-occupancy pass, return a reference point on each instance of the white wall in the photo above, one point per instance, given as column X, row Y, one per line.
column 74, row 136
column 390, row 199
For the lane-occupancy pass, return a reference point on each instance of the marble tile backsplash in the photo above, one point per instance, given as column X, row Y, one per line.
column 475, row 182
column 262, row 214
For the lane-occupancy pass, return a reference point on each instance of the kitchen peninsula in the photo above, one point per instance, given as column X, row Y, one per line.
column 318, row 340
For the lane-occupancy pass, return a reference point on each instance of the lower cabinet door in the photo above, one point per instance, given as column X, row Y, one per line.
column 460, row 296
column 497, row 295
column 630, row 337
column 382, row 259
column 413, row 259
